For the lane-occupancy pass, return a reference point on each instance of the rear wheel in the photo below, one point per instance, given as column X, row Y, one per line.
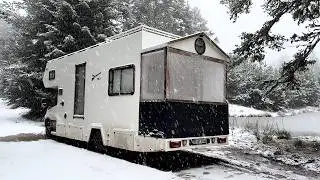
column 95, row 141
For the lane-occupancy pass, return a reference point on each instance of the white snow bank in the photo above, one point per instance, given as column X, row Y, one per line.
column 12, row 123
column 49, row 160
column 241, row 111
column 292, row 112
column 309, row 138
column 46, row 159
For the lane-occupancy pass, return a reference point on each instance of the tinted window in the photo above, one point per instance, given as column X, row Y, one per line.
column 52, row 75
column 152, row 76
column 121, row 80
column 194, row 78
column 79, row 89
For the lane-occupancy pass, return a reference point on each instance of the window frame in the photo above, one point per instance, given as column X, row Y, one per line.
column 75, row 114
column 52, row 75
column 111, row 83
column 164, row 49
column 206, row 58
column 60, row 91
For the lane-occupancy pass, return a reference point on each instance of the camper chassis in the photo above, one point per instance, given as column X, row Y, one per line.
column 150, row 141
column 160, row 124
column 148, row 144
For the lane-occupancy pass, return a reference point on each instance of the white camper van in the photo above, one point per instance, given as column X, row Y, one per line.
column 142, row 90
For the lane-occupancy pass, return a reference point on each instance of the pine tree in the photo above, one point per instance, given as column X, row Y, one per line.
column 308, row 94
column 175, row 16
column 253, row 45
column 247, row 86
column 53, row 28
column 50, row 29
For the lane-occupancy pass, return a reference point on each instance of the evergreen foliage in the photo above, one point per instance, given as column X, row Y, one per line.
column 247, row 87
column 50, row 29
column 53, row 28
column 253, row 45
column 174, row 16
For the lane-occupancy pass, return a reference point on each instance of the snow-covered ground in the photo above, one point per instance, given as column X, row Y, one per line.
column 47, row 159
column 220, row 172
column 41, row 159
column 241, row 111
column 279, row 160
column 293, row 112
column 281, row 150
column 12, row 123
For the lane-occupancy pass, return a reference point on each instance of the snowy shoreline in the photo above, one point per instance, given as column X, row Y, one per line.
column 241, row 111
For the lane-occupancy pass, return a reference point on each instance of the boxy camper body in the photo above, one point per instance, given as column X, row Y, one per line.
column 142, row 90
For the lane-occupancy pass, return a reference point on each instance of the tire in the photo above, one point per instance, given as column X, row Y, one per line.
column 95, row 142
column 47, row 124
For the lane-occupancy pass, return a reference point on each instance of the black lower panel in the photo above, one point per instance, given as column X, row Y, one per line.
column 181, row 120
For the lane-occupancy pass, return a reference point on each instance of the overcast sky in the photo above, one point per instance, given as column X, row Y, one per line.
column 228, row 32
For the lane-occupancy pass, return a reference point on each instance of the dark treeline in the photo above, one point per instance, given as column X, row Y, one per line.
column 51, row 28
column 41, row 30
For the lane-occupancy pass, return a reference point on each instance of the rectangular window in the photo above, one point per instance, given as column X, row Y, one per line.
column 194, row 78
column 121, row 80
column 152, row 75
column 60, row 91
column 52, row 75
column 79, row 89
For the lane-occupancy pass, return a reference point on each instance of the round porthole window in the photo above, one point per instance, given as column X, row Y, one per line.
column 200, row 46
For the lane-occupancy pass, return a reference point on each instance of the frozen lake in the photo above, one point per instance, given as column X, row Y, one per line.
column 298, row 125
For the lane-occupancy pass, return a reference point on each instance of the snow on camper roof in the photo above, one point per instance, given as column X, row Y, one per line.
column 124, row 34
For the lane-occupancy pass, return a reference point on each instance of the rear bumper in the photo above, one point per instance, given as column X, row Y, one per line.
column 211, row 141
column 150, row 144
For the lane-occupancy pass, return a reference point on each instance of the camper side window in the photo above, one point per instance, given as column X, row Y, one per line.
column 52, row 75
column 121, row 81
